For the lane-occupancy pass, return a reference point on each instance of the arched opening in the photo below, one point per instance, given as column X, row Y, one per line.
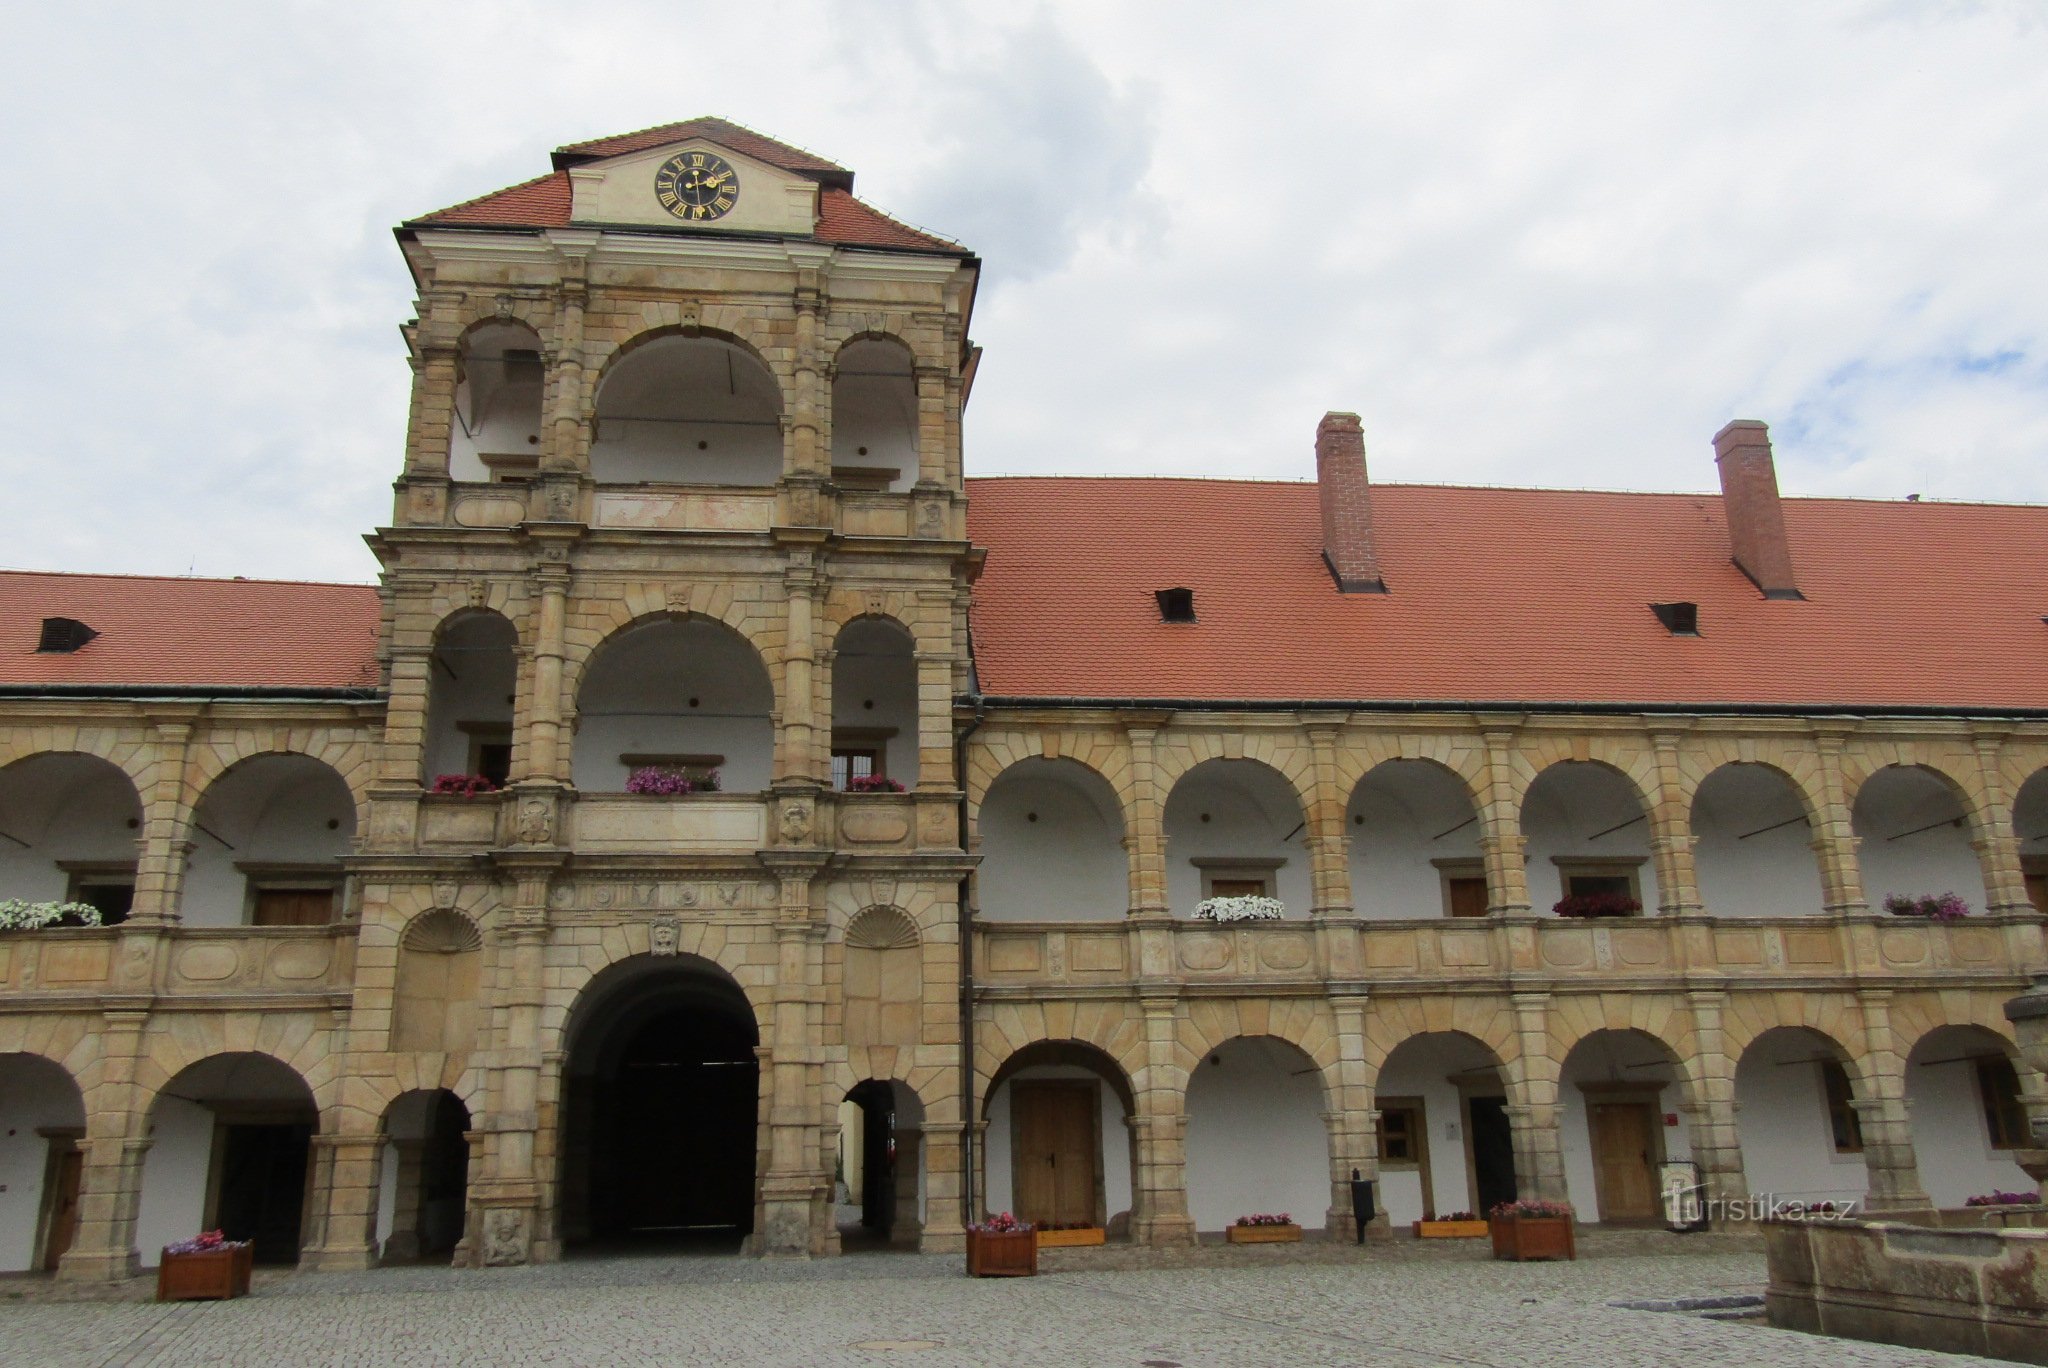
column 1052, row 834
column 1256, row 1139
column 1445, row 1145
column 1415, row 843
column 423, row 1193
column 874, row 416
column 1058, row 1150
column 874, row 705
column 1912, row 829
column 69, row 824
column 1620, row 1119
column 2030, row 830
column 1753, row 853
column 1234, row 829
column 1795, row 1118
column 474, row 673
column 267, row 842
column 499, row 381
column 661, row 1095
column 230, row 1143
column 1588, row 841
column 682, row 696
column 42, row 1132
column 688, row 410
column 1963, row 1093
column 880, row 1174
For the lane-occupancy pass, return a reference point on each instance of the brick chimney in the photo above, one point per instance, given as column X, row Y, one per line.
column 1749, row 498
column 1347, row 505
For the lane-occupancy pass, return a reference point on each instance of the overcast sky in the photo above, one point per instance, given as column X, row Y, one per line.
column 1531, row 244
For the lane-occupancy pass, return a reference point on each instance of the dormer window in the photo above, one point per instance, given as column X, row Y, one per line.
column 1175, row 605
column 1679, row 619
column 62, row 635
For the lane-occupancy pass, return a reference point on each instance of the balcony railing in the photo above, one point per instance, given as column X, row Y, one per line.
column 261, row 962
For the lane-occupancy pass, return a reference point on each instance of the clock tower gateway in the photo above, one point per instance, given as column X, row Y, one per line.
column 678, row 558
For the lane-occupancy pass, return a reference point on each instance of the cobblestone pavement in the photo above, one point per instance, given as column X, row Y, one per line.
column 920, row 1311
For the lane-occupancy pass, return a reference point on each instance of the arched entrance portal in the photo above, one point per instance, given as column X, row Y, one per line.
column 660, row 1108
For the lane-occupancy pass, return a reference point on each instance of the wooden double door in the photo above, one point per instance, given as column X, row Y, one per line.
column 1626, row 1152
column 1056, row 1153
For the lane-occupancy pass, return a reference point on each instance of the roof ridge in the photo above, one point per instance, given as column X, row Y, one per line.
column 585, row 147
column 186, row 579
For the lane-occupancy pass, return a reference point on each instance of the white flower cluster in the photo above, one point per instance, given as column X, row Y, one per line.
column 1249, row 908
column 17, row 915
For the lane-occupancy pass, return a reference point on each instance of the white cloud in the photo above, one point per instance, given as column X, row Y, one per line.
column 1531, row 244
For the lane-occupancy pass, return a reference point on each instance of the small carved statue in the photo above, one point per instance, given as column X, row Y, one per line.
column 662, row 936
column 504, row 1237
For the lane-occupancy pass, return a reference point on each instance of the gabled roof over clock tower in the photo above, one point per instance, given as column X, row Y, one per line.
column 703, row 175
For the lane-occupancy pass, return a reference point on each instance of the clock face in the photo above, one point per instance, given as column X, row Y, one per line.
column 697, row 186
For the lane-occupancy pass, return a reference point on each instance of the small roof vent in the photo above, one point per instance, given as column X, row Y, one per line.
column 1679, row 619
column 62, row 635
column 1175, row 605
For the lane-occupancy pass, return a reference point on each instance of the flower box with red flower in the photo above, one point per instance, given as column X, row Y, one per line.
column 1459, row 1225
column 1586, row 905
column 209, row 1268
column 1264, row 1228
column 1002, row 1247
column 1532, row 1229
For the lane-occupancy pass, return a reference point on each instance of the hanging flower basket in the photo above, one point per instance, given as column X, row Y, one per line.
column 209, row 1268
column 1002, row 1247
column 1248, row 908
column 1532, row 1229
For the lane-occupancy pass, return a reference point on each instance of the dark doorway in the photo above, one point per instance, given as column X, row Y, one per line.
column 263, row 1188
column 878, row 1156
column 444, row 1176
column 1493, row 1152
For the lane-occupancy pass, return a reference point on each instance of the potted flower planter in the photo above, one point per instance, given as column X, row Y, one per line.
column 1531, row 1230
column 1279, row 1229
column 1001, row 1247
column 214, row 1274
column 1070, row 1239
column 1460, row 1227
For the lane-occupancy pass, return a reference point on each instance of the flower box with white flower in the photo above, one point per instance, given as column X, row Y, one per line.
column 1264, row 1229
column 1248, row 907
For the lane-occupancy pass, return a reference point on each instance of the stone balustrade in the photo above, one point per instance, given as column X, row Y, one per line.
column 66, row 965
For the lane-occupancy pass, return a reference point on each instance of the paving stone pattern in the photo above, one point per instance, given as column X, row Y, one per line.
column 920, row 1311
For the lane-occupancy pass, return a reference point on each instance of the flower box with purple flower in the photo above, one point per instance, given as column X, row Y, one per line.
column 208, row 1268
column 874, row 783
column 1945, row 907
column 1264, row 1228
column 1583, row 905
column 666, row 781
column 1002, row 1247
column 1532, row 1229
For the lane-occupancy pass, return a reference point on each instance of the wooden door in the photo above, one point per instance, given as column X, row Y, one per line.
column 1622, row 1138
column 294, row 907
column 69, row 1168
column 1055, row 1162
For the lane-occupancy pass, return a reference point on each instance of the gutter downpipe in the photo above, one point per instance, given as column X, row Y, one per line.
column 967, row 1119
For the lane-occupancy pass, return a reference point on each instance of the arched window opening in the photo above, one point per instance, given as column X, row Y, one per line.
column 1059, row 1144
column 473, row 675
column 42, row 1136
column 1051, row 834
column 1256, row 1139
column 1753, row 852
column 879, row 1186
column 499, row 381
column 1796, row 1120
column 688, row 410
column 686, row 696
column 874, row 704
column 1234, row 829
column 230, row 1141
column 1913, row 838
column 423, row 1191
column 69, row 824
column 267, row 842
column 440, row 972
column 1445, row 1144
column 1963, row 1095
column 1621, row 1119
column 874, row 417
column 2030, row 830
column 1414, row 838
column 1588, row 841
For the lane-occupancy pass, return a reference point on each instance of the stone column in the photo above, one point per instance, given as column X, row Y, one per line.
column 422, row 490
column 1992, row 835
column 1159, row 1196
column 1145, row 825
column 1671, row 835
column 161, row 847
column 1710, row 1117
column 1501, row 844
column 1351, row 1122
column 796, row 745
column 1535, row 1114
column 1834, row 833
column 546, row 756
column 115, row 1145
column 932, row 386
column 505, row 1184
column 347, row 1170
column 565, row 445
column 1884, row 1114
column 935, row 724
column 1328, row 843
column 795, row 1185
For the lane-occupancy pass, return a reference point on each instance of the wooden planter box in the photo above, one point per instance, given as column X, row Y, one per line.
column 1450, row 1230
column 1522, row 1238
column 1262, row 1234
column 1013, row 1254
column 214, row 1275
column 1070, row 1239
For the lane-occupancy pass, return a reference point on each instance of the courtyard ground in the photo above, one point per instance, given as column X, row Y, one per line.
column 1308, row 1305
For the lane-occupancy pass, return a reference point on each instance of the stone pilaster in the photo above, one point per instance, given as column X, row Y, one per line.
column 795, row 1183
column 505, row 1183
column 1159, row 1187
column 546, row 757
column 1710, row 1117
column 1351, row 1121
column 797, row 738
column 1884, row 1115
column 1534, row 1110
column 347, row 1169
column 1145, row 825
column 1501, row 844
column 161, row 847
column 1834, row 835
column 1992, row 835
column 403, row 1242
column 1328, row 842
column 565, row 441
column 1671, row 837
column 115, row 1145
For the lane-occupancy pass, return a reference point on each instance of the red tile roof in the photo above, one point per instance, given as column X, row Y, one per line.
column 721, row 131
column 191, row 632
column 1502, row 595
